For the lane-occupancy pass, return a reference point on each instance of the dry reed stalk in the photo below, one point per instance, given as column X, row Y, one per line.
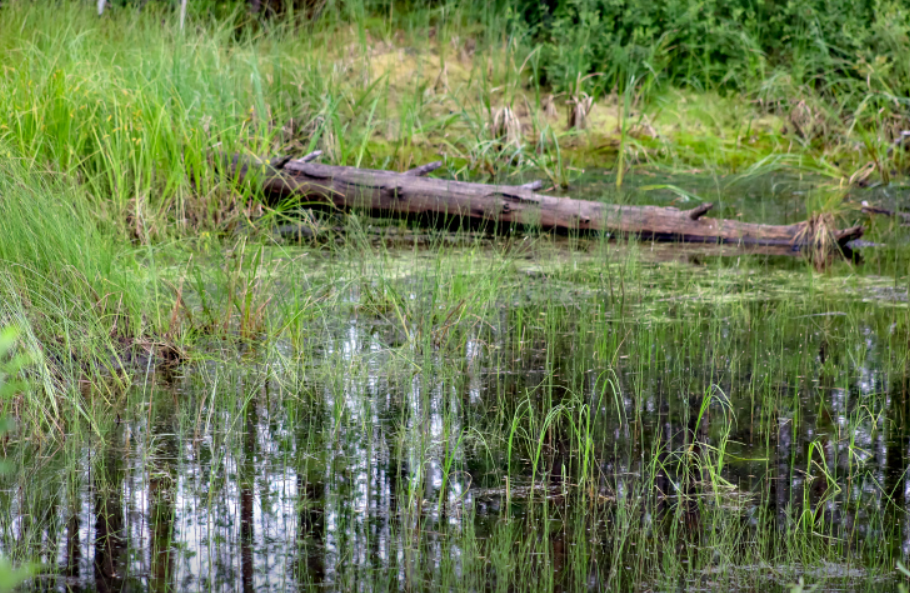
column 807, row 122
column 579, row 109
column 818, row 232
column 329, row 145
column 506, row 127
column 548, row 106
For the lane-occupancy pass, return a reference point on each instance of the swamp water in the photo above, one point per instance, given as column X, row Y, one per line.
column 540, row 414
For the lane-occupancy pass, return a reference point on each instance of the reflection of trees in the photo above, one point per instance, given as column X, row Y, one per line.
column 110, row 540
column 162, row 481
column 780, row 476
column 309, row 564
column 353, row 456
column 311, row 529
column 247, row 480
column 896, row 477
column 73, row 546
column 390, row 453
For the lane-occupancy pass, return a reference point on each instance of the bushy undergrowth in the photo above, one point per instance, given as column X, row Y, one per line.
column 829, row 45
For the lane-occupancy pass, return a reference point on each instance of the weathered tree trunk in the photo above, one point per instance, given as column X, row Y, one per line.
column 387, row 193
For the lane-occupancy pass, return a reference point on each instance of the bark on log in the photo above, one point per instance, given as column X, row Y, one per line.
column 387, row 193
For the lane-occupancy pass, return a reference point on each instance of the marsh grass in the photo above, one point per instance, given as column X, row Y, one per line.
column 505, row 412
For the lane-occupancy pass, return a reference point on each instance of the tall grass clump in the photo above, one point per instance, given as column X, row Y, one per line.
column 139, row 112
column 143, row 111
column 73, row 291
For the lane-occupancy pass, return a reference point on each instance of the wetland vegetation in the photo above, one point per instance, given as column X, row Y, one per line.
column 190, row 401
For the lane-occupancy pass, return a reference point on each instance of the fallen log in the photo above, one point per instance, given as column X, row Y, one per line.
column 388, row 193
column 868, row 208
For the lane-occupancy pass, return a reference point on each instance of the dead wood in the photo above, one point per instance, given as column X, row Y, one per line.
column 388, row 193
column 868, row 208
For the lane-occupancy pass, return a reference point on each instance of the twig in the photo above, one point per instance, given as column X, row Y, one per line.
column 423, row 169
column 868, row 208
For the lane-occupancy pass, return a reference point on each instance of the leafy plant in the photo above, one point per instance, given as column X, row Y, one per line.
column 10, row 366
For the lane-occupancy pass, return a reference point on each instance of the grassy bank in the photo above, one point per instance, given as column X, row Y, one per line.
column 133, row 106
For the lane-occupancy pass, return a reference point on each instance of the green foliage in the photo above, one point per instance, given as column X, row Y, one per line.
column 10, row 384
column 64, row 279
column 723, row 43
column 10, row 365
column 11, row 577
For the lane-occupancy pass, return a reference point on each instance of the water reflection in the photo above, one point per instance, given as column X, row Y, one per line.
column 374, row 479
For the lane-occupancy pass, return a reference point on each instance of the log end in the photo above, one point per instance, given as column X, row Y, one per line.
column 845, row 236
